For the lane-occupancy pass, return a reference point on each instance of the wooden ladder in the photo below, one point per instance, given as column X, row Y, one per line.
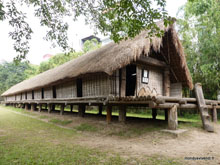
column 206, row 119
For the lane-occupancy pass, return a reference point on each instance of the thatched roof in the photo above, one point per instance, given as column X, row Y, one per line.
column 114, row 56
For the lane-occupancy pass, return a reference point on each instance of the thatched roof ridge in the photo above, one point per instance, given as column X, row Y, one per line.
column 110, row 58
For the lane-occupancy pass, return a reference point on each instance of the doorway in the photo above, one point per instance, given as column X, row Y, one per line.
column 54, row 92
column 130, row 80
column 79, row 87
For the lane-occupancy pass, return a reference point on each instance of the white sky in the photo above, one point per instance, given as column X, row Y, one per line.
column 40, row 47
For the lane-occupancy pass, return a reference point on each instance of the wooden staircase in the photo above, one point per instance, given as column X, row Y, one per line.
column 206, row 118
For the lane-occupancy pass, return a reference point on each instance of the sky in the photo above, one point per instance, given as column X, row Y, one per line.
column 39, row 47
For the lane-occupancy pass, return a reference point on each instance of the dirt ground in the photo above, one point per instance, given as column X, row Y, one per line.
column 143, row 137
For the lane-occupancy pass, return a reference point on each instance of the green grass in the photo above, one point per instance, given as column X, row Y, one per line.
column 25, row 140
column 60, row 122
column 86, row 127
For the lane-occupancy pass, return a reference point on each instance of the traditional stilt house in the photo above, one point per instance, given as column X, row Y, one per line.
column 133, row 72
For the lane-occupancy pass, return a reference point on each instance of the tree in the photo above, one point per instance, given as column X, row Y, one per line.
column 121, row 19
column 11, row 74
column 199, row 27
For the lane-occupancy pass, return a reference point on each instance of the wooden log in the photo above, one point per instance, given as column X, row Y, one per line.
column 172, row 118
column 166, row 114
column 122, row 113
column 81, row 110
column 49, row 107
column 206, row 121
column 33, row 107
column 26, row 106
column 71, row 108
column 214, row 115
column 160, row 101
column 100, row 110
column 62, row 106
column 109, row 114
column 154, row 113
column 40, row 108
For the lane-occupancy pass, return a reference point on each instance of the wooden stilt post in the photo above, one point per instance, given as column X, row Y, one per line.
column 100, row 110
column 154, row 113
column 49, row 106
column 26, row 106
column 71, row 108
column 53, row 107
column 214, row 114
column 166, row 114
column 122, row 113
column 81, row 110
column 33, row 107
column 172, row 118
column 62, row 106
column 40, row 108
column 109, row 114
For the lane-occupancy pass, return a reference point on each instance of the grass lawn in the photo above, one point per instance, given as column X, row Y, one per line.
column 26, row 140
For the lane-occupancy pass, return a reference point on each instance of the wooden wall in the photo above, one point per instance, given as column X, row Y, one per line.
column 48, row 93
column 23, row 96
column 29, row 95
column 176, row 90
column 96, row 85
column 155, row 84
column 114, row 84
column 10, row 98
column 37, row 94
column 66, row 90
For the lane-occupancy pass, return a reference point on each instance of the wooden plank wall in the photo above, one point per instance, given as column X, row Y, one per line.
column 37, row 94
column 48, row 93
column 96, row 85
column 114, row 84
column 155, row 79
column 176, row 90
column 29, row 95
column 23, row 96
column 66, row 90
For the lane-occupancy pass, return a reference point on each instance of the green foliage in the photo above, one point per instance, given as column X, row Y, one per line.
column 90, row 45
column 11, row 74
column 200, row 31
column 120, row 19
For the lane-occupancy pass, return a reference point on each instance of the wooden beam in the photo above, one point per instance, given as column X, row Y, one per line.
column 62, row 106
column 122, row 113
column 40, row 108
column 152, row 61
column 172, row 118
column 81, row 110
column 109, row 114
column 154, row 113
column 100, row 110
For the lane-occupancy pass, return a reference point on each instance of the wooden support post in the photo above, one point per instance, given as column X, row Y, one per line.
column 109, row 114
column 71, row 108
column 100, row 110
column 53, row 107
column 122, row 113
column 172, row 118
column 26, row 106
column 214, row 115
column 33, row 107
column 62, row 106
column 154, row 113
column 49, row 106
column 40, row 108
column 166, row 114
column 81, row 110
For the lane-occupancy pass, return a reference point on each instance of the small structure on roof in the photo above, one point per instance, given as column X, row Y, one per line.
column 133, row 72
